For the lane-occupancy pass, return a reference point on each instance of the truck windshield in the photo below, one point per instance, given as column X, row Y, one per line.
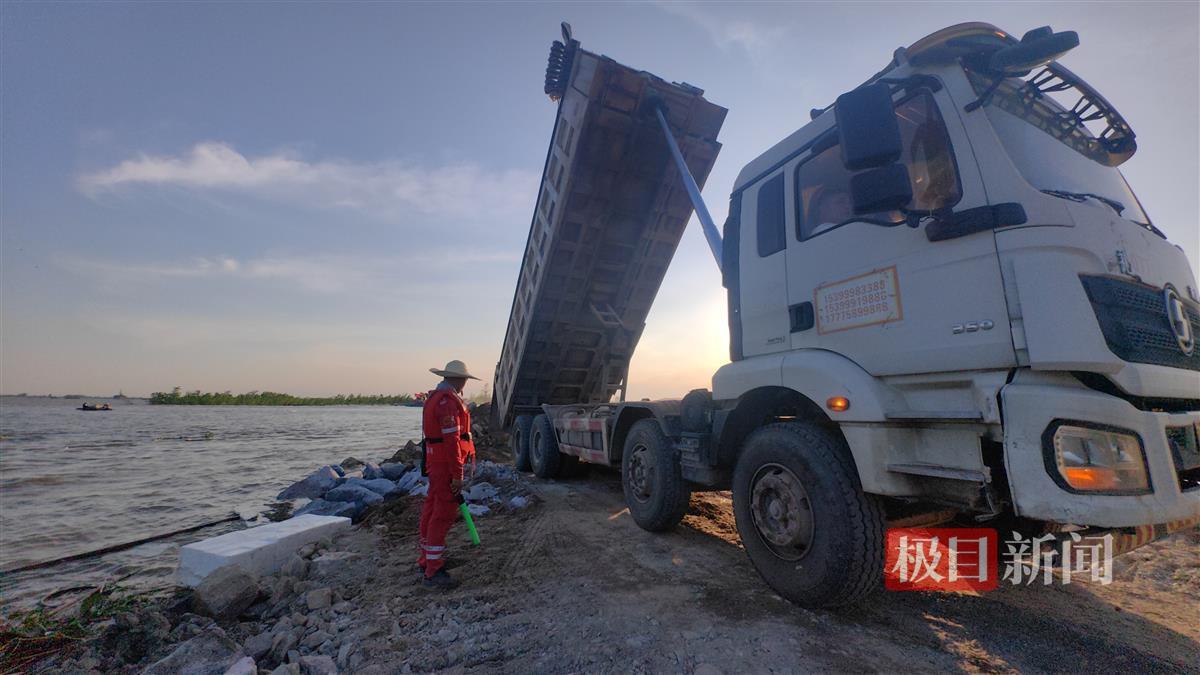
column 1060, row 164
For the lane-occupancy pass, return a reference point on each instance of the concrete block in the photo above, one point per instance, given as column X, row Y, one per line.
column 258, row 550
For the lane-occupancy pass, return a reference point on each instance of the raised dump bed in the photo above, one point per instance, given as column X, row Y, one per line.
column 610, row 212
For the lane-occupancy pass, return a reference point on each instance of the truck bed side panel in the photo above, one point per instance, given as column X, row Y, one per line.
column 610, row 212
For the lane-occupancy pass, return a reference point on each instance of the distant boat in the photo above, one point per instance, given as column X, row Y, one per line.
column 119, row 395
column 94, row 407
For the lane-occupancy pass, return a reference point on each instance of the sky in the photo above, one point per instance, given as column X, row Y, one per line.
column 324, row 198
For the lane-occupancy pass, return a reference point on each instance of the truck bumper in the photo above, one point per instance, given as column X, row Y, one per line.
column 1032, row 404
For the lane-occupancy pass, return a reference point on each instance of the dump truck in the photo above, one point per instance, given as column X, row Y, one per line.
column 944, row 301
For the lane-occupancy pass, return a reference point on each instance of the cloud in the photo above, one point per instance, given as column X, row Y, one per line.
column 325, row 274
column 730, row 30
column 387, row 189
column 319, row 274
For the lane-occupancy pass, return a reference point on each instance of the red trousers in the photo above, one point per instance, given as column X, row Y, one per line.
column 438, row 513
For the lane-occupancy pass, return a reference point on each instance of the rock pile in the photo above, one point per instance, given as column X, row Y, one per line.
column 350, row 488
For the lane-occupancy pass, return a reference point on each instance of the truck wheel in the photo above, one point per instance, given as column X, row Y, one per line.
column 655, row 492
column 809, row 529
column 543, row 448
column 518, row 441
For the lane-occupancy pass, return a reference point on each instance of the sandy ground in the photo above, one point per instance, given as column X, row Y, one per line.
column 571, row 584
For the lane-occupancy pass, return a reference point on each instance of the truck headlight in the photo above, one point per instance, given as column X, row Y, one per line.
column 1090, row 459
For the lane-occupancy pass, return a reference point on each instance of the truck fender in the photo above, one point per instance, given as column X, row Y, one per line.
column 816, row 374
column 664, row 412
column 821, row 375
column 807, row 380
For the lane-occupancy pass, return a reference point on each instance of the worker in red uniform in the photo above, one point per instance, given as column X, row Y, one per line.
column 447, row 429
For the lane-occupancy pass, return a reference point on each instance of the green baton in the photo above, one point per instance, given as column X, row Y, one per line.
column 466, row 514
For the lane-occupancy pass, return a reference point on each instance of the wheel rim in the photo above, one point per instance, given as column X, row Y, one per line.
column 781, row 511
column 640, row 475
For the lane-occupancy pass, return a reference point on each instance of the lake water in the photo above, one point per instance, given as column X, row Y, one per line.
column 73, row 481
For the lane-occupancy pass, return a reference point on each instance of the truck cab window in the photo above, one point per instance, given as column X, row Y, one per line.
column 823, row 184
column 771, row 228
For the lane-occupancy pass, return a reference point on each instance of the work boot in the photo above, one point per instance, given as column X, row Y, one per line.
column 441, row 581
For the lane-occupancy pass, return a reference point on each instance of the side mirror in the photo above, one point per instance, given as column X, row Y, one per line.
column 867, row 127
column 1036, row 48
column 882, row 189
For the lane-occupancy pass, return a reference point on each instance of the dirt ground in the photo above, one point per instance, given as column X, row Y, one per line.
column 571, row 584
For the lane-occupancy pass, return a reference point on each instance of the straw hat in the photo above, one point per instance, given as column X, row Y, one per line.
column 454, row 369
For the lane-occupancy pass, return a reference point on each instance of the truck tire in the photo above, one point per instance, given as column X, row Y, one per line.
column 655, row 491
column 807, row 526
column 518, row 441
column 544, row 457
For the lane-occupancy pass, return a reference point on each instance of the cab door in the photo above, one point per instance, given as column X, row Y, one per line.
column 762, row 267
column 885, row 296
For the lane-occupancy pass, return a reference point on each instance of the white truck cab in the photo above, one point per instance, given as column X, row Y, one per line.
column 1020, row 338
column 944, row 301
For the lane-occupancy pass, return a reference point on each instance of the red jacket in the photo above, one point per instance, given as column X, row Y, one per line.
column 447, row 428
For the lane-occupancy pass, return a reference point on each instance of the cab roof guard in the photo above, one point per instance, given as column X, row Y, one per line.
column 975, row 44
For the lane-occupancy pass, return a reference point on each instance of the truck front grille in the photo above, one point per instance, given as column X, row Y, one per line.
column 1185, row 451
column 1133, row 318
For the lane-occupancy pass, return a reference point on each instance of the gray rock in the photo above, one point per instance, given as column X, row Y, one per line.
column 319, row 598
column 307, row 550
column 315, row 639
column 351, row 463
column 480, row 492
column 295, row 567
column 281, row 644
column 371, row 471
column 393, row 471
column 343, row 607
column 518, row 502
column 478, row 509
column 226, row 593
column 343, row 655
column 245, row 666
column 134, row 635
column 408, row 481
column 320, row 507
column 330, row 562
column 207, row 654
column 381, row 486
column 353, row 493
column 313, row 486
column 282, row 669
column 317, row 665
column 284, row 587
column 259, row 645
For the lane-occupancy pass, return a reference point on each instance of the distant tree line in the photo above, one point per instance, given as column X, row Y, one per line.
column 178, row 397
